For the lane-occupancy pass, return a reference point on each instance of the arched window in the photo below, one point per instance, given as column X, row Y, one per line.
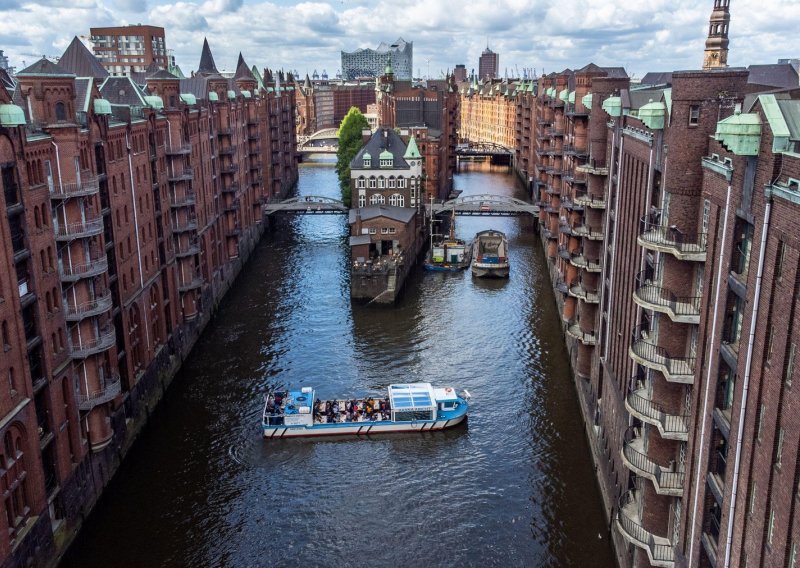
column 16, row 502
column 61, row 111
column 397, row 200
column 362, row 200
column 372, row 182
column 381, row 182
column 391, row 182
column 377, row 199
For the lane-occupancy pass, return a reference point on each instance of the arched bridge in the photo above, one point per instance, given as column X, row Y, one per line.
column 325, row 141
column 486, row 204
column 482, row 149
column 307, row 205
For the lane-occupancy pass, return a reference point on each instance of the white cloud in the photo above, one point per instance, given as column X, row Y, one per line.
column 643, row 36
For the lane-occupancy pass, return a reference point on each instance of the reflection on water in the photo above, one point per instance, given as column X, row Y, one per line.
column 512, row 487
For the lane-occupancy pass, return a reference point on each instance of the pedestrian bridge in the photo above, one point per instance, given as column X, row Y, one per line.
column 325, row 141
column 307, row 205
column 486, row 204
column 482, row 149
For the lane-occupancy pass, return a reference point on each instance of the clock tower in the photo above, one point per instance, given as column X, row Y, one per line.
column 716, row 53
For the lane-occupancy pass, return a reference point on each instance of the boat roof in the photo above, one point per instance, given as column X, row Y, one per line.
column 445, row 394
column 302, row 397
column 412, row 396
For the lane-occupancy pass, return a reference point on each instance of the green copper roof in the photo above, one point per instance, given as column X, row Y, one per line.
column 551, row 92
column 564, row 95
column 102, row 106
column 231, row 94
column 11, row 115
column 412, row 152
column 154, row 101
column 668, row 101
column 740, row 133
column 613, row 106
column 532, row 87
column 189, row 98
column 366, row 156
column 587, row 101
column 653, row 114
column 247, row 94
column 777, row 122
column 386, row 155
column 212, row 96
column 571, row 98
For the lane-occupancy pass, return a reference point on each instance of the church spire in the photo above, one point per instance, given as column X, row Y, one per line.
column 716, row 53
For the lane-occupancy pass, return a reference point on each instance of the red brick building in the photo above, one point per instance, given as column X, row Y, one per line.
column 128, row 211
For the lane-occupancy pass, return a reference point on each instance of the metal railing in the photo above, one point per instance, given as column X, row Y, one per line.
column 635, row 533
column 580, row 292
column 86, row 348
column 179, row 150
column 568, row 203
column 186, row 200
column 190, row 282
column 675, row 369
column 666, row 482
column 79, row 230
column 184, row 175
column 111, row 388
column 649, row 293
column 671, row 425
column 71, row 271
column 189, row 249
column 89, row 185
column 184, row 226
column 574, row 330
column 591, row 201
column 579, row 261
column 592, row 233
column 651, row 231
column 99, row 305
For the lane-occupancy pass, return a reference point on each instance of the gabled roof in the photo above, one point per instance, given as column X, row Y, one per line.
column 242, row 70
column 779, row 75
column 162, row 74
column 79, row 60
column 378, row 145
column 6, row 81
column 207, row 65
column 45, row 67
column 402, row 214
column 122, row 91
column 176, row 70
column 658, row 78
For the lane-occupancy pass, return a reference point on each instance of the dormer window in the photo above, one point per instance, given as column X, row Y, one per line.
column 367, row 159
column 386, row 163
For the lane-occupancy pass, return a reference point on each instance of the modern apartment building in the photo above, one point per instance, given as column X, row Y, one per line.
column 363, row 63
column 488, row 64
column 123, row 50
column 128, row 210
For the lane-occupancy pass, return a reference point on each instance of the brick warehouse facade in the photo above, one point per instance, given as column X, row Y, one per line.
column 129, row 210
column 668, row 213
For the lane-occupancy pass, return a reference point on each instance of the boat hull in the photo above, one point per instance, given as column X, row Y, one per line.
column 359, row 428
column 490, row 271
column 444, row 268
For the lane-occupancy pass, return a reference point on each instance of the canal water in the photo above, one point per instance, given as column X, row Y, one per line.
column 512, row 487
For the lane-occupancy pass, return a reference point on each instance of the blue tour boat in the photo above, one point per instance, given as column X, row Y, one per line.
column 412, row 407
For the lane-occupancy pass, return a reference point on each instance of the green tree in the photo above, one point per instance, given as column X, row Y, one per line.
column 349, row 145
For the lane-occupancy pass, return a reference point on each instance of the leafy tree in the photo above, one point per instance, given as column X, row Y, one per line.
column 349, row 145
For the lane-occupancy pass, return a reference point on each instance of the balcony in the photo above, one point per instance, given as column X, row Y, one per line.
column 184, row 226
column 591, row 201
column 79, row 230
column 675, row 369
column 186, row 283
column 86, row 348
column 92, row 308
column 574, row 331
column 578, row 260
column 232, row 188
column 190, row 249
column 629, row 524
column 580, row 292
column 552, row 190
column 111, row 389
column 72, row 272
column 561, row 286
column 680, row 309
column 563, row 252
column 569, row 204
column 89, row 185
column 573, row 150
column 186, row 200
column 183, row 175
column 227, row 150
column 594, row 167
column 574, row 178
column 665, row 481
column 223, row 132
column 670, row 239
column 587, row 232
column 232, row 206
column 230, row 169
column 639, row 403
column 565, row 229
column 179, row 150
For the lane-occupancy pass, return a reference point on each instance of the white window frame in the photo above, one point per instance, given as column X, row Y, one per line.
column 372, row 182
column 381, row 182
column 362, row 200
column 373, row 231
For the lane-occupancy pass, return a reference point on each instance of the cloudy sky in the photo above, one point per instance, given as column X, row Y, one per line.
column 641, row 35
